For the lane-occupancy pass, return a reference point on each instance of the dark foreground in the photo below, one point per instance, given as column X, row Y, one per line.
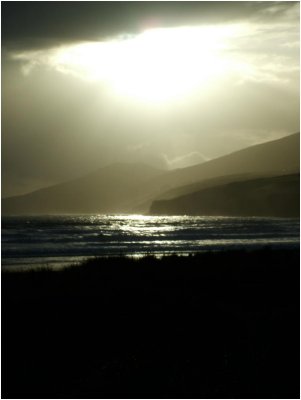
column 206, row 326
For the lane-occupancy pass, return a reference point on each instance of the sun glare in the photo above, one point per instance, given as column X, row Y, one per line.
column 155, row 66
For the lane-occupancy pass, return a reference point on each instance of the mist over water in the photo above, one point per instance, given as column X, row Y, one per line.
column 55, row 241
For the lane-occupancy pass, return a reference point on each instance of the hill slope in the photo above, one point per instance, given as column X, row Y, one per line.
column 276, row 157
column 126, row 188
column 108, row 190
column 276, row 197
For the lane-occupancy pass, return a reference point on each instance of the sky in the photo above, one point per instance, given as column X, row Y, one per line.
column 170, row 84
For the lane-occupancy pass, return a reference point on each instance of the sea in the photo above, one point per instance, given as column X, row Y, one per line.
column 58, row 241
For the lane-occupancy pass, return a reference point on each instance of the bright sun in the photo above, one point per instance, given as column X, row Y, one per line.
column 157, row 65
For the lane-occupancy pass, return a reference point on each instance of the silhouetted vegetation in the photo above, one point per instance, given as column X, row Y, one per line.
column 211, row 325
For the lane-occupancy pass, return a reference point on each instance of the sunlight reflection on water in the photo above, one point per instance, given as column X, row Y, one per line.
column 31, row 240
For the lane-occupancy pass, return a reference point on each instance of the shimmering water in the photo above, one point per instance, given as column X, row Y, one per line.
column 58, row 240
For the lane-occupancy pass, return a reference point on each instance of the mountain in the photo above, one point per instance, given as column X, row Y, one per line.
column 275, row 157
column 128, row 188
column 274, row 196
column 109, row 190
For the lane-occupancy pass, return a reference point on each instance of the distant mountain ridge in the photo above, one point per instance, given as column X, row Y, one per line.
column 128, row 188
column 109, row 189
column 276, row 157
column 273, row 197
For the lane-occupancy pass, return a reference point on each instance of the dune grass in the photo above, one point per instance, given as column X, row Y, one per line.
column 210, row 325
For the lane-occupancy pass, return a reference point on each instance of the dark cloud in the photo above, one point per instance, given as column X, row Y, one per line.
column 45, row 24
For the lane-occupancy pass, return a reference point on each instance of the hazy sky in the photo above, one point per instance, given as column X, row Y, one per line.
column 167, row 83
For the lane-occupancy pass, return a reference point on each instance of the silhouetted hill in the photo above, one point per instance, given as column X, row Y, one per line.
column 126, row 188
column 207, row 183
column 107, row 190
column 276, row 197
column 275, row 157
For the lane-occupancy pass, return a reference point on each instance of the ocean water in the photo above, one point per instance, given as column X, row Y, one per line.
column 56, row 241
